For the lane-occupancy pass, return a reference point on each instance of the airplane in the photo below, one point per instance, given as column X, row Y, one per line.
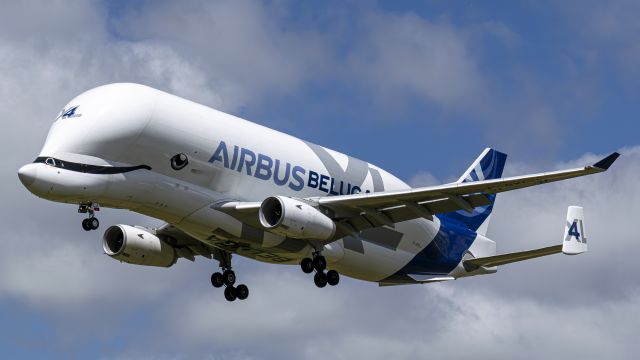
column 226, row 186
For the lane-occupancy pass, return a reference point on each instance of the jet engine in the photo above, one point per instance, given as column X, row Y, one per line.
column 137, row 246
column 296, row 219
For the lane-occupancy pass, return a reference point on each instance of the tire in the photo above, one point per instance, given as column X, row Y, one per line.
column 217, row 280
column 306, row 265
column 242, row 291
column 230, row 293
column 94, row 224
column 320, row 279
column 333, row 278
column 319, row 263
column 85, row 225
column 229, row 277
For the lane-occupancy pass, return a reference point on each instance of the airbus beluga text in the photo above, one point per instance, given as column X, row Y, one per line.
column 227, row 186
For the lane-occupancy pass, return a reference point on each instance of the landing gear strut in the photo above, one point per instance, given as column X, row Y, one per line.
column 319, row 264
column 90, row 223
column 227, row 278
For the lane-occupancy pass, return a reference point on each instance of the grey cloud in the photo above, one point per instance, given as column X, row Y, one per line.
column 404, row 55
column 246, row 51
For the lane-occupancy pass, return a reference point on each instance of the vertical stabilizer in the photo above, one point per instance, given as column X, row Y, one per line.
column 489, row 165
column 575, row 240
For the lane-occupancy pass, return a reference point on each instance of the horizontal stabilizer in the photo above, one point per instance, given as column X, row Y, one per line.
column 503, row 259
column 574, row 242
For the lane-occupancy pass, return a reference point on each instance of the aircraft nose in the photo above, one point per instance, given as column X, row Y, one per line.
column 28, row 174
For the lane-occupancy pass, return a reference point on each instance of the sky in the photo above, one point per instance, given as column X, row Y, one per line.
column 416, row 87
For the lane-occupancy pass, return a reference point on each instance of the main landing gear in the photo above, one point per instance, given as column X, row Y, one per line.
column 90, row 223
column 319, row 264
column 227, row 278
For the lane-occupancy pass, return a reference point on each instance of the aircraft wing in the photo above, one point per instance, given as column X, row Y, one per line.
column 357, row 212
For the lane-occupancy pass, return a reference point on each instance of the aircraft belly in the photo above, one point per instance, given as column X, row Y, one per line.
column 379, row 253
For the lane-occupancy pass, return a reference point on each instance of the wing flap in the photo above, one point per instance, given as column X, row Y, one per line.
column 186, row 246
column 363, row 220
column 185, row 252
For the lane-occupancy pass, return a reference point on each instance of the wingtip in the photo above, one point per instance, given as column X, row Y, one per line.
column 606, row 163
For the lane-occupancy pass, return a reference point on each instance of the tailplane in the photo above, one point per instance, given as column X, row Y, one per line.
column 488, row 165
column 574, row 242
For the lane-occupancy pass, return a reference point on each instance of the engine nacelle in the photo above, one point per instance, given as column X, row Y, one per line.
column 137, row 246
column 296, row 219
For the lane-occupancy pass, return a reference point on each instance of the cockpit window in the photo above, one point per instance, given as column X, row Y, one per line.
column 50, row 161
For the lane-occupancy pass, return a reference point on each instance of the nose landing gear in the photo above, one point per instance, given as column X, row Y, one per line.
column 90, row 223
column 319, row 264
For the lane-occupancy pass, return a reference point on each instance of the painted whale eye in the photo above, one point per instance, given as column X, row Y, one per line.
column 179, row 161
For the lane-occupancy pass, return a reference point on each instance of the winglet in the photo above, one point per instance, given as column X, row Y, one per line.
column 605, row 163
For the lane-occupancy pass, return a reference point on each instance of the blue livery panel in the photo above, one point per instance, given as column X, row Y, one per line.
column 457, row 229
column 489, row 167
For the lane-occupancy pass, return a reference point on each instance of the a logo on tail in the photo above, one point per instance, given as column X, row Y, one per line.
column 574, row 232
column 69, row 113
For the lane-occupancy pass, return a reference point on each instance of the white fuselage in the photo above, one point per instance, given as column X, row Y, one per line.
column 230, row 159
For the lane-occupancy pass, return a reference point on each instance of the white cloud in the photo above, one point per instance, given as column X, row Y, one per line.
column 423, row 179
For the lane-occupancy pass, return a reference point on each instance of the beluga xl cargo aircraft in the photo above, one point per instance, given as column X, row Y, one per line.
column 225, row 186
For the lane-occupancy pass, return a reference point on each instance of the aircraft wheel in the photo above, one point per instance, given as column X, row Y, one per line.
column 319, row 263
column 230, row 293
column 217, row 280
column 229, row 277
column 320, row 279
column 242, row 291
column 333, row 278
column 94, row 224
column 307, row 265
column 85, row 225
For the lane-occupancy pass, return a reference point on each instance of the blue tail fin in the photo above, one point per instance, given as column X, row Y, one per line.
column 488, row 165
